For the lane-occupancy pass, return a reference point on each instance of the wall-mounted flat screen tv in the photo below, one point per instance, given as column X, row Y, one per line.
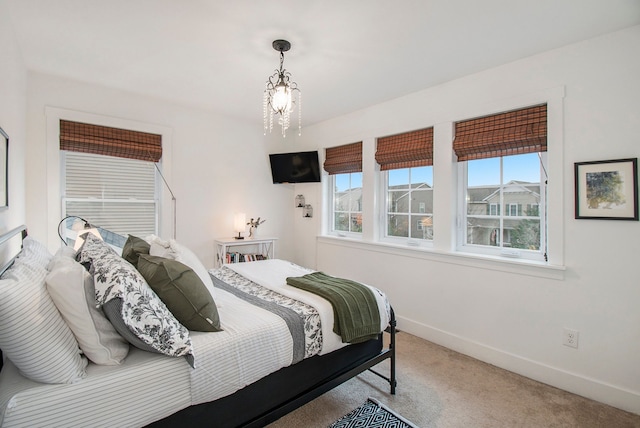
column 299, row 167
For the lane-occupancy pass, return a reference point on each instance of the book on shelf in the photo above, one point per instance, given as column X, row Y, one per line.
column 236, row 257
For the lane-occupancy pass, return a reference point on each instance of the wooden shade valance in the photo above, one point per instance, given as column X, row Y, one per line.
column 406, row 150
column 504, row 134
column 344, row 159
column 104, row 140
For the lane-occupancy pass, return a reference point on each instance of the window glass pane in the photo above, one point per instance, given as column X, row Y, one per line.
column 356, row 180
column 341, row 222
column 521, row 168
column 399, row 178
column 398, row 201
column 398, row 225
column 422, row 201
column 422, row 176
column 356, row 223
column 482, row 172
column 423, row 228
column 342, row 182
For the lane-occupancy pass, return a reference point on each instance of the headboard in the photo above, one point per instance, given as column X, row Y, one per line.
column 10, row 247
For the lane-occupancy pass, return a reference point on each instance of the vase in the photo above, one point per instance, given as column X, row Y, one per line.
column 253, row 232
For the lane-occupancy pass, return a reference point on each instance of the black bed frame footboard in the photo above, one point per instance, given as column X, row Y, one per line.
column 316, row 391
column 276, row 395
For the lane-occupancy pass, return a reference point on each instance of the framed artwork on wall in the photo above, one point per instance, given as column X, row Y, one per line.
column 607, row 189
column 4, row 169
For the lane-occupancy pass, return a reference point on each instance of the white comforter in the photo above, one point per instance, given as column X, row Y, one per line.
column 262, row 337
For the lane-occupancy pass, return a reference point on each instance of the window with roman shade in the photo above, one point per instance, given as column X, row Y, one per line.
column 503, row 158
column 344, row 165
column 110, row 176
column 406, row 161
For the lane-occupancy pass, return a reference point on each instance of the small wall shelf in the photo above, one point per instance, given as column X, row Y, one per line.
column 230, row 250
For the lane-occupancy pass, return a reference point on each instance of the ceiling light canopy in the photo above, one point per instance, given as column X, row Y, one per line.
column 278, row 95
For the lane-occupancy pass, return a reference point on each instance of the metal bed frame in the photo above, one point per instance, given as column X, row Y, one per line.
column 197, row 415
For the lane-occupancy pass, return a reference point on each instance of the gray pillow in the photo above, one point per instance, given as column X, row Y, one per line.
column 182, row 291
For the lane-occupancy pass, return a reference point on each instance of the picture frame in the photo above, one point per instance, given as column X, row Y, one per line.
column 4, row 169
column 607, row 190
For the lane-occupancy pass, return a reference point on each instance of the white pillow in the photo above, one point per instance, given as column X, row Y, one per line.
column 72, row 290
column 33, row 335
column 172, row 250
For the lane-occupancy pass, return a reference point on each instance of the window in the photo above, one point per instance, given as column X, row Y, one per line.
column 409, row 196
column 109, row 177
column 502, row 163
column 405, row 162
column 512, row 182
column 114, row 193
column 347, row 202
column 344, row 165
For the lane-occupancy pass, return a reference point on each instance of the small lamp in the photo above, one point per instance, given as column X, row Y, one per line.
column 81, row 227
column 300, row 201
column 82, row 236
column 239, row 224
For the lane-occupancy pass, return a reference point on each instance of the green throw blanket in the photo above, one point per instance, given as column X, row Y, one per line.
column 355, row 310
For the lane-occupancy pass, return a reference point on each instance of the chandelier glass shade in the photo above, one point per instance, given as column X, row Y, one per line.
column 279, row 93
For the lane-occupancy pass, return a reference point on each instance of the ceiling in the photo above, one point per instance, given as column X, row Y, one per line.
column 345, row 54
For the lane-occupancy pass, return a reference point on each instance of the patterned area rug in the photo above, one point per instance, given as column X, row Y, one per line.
column 372, row 414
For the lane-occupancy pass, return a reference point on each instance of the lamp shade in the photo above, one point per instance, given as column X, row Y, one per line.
column 239, row 222
column 81, row 237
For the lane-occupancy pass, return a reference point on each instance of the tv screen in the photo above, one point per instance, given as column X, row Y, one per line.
column 300, row 167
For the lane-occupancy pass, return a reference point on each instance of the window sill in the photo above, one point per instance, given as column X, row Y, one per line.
column 503, row 264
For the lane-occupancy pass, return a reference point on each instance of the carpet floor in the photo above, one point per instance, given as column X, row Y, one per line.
column 440, row 388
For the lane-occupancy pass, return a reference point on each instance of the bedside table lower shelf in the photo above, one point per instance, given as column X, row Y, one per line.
column 230, row 250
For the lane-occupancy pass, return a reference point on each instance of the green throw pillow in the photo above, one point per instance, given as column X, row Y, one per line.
column 133, row 248
column 182, row 291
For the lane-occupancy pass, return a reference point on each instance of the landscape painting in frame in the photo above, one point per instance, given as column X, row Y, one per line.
column 4, row 169
column 607, row 189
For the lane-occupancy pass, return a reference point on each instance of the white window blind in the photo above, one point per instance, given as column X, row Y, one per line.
column 117, row 194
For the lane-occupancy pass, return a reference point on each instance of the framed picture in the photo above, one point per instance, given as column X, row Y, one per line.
column 607, row 189
column 4, row 169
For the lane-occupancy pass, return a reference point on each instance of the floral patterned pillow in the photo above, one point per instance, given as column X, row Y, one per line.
column 142, row 310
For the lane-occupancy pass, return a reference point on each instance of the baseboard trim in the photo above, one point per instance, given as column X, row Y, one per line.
column 572, row 382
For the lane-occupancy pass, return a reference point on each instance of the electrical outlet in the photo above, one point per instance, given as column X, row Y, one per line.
column 570, row 337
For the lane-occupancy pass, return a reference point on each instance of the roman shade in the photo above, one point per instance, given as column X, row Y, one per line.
column 344, row 159
column 406, row 150
column 104, row 140
column 512, row 133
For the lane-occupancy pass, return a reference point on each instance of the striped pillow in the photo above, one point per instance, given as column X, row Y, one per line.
column 33, row 335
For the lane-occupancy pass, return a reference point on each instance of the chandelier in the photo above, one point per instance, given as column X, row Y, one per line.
column 278, row 95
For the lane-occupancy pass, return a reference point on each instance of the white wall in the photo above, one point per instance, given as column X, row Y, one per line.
column 218, row 165
column 13, row 87
column 507, row 317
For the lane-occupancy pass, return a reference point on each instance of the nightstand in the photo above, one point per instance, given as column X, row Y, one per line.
column 230, row 250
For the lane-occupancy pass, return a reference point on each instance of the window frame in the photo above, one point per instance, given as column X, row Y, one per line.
column 332, row 208
column 412, row 217
column 155, row 201
column 502, row 251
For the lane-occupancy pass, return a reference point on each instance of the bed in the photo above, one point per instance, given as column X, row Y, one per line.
column 273, row 350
